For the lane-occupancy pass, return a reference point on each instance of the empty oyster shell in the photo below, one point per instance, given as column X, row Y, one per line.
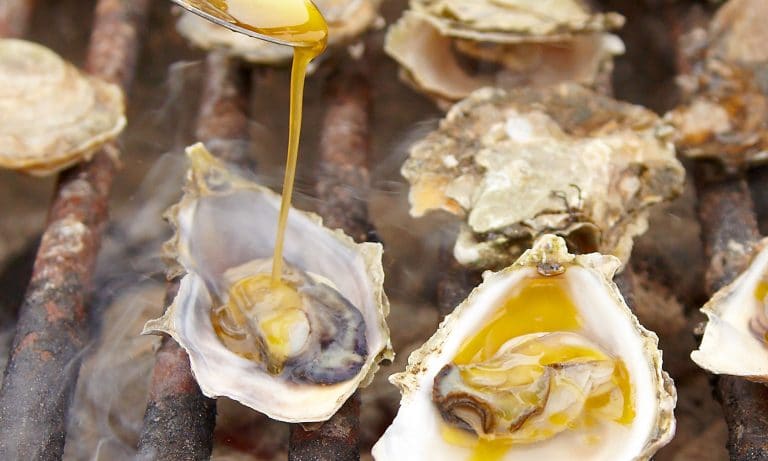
column 346, row 20
column 297, row 363
column 51, row 115
column 735, row 338
column 543, row 360
column 726, row 114
column 564, row 160
column 449, row 48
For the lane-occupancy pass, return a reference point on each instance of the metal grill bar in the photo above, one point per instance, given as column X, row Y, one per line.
column 179, row 420
column 729, row 230
column 53, row 323
column 14, row 17
column 342, row 188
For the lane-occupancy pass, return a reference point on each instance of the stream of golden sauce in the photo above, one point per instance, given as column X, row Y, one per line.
column 300, row 24
column 541, row 306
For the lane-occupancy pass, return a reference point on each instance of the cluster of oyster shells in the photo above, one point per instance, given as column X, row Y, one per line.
column 517, row 164
column 726, row 113
column 51, row 114
column 225, row 231
column 346, row 19
column 449, row 48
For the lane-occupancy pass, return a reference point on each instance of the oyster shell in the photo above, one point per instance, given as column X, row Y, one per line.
column 296, row 364
column 449, row 48
column 735, row 338
column 543, row 360
column 726, row 113
column 515, row 165
column 346, row 20
column 51, row 115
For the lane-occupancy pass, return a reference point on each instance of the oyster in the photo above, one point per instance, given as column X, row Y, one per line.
column 726, row 114
column 517, row 164
column 51, row 115
column 449, row 48
column 543, row 360
column 346, row 20
column 735, row 338
column 294, row 350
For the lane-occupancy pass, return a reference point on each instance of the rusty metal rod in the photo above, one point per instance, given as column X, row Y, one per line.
column 14, row 17
column 53, row 323
column 342, row 187
column 179, row 420
column 729, row 230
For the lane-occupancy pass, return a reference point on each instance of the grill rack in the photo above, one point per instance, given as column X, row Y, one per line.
column 53, row 324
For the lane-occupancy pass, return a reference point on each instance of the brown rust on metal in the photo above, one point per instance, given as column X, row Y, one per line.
column 729, row 230
column 14, row 17
column 335, row 440
column 45, row 357
column 179, row 420
column 343, row 178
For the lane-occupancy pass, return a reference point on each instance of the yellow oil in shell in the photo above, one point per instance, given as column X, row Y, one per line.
column 542, row 305
column 300, row 24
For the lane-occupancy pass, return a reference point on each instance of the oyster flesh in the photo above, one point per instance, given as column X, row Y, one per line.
column 449, row 48
column 517, row 164
column 735, row 338
column 543, row 360
column 726, row 113
column 52, row 115
column 293, row 350
column 346, row 19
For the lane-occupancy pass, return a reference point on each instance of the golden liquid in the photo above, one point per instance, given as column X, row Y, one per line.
column 301, row 25
column 541, row 306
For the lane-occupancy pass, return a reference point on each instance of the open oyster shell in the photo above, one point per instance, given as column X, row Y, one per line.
column 346, row 19
column 585, row 295
column 449, row 48
column 225, row 228
column 517, row 164
column 726, row 113
column 735, row 338
column 51, row 115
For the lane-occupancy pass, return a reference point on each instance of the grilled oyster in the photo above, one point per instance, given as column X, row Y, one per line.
column 726, row 113
column 51, row 115
column 346, row 20
column 295, row 351
column 735, row 338
column 449, row 48
column 515, row 165
column 542, row 361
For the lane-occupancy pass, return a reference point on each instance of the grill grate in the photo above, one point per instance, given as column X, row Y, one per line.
column 53, row 325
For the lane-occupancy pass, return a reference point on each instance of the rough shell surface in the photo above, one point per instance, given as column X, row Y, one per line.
column 449, row 48
column 515, row 165
column 415, row 433
column 51, row 115
column 734, row 341
column 726, row 111
column 224, row 222
column 347, row 19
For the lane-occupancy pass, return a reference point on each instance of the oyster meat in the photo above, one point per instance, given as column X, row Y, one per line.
column 294, row 350
column 52, row 115
column 346, row 19
column 543, row 360
column 517, row 164
column 726, row 113
column 735, row 338
column 449, row 48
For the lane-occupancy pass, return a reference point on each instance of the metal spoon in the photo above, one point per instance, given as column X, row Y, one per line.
column 207, row 10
